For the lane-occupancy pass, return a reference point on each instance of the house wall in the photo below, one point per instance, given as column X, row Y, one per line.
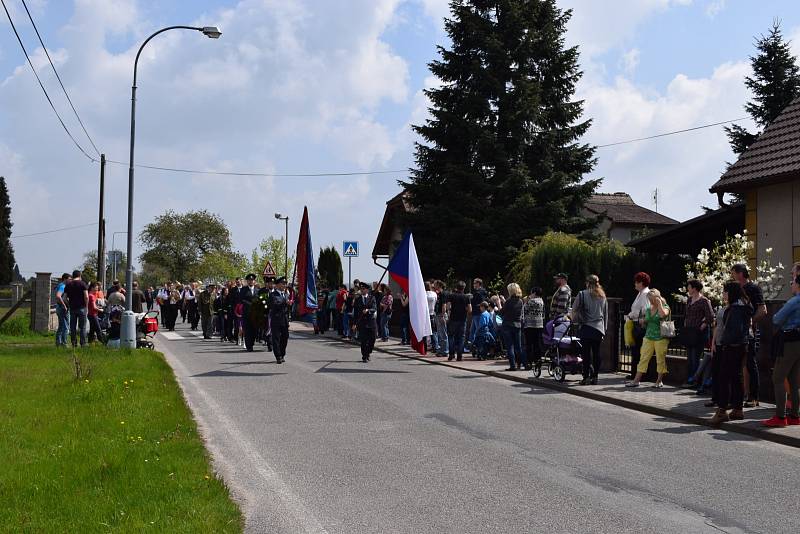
column 775, row 223
column 621, row 234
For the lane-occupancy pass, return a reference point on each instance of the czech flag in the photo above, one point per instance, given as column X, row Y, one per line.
column 404, row 269
column 304, row 270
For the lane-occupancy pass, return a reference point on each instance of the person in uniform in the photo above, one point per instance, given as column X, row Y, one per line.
column 279, row 319
column 365, row 309
column 247, row 295
column 264, row 326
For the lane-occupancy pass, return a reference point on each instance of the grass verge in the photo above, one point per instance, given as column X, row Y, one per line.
column 118, row 450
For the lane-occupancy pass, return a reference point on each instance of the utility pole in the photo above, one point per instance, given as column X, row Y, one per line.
column 101, row 227
column 655, row 199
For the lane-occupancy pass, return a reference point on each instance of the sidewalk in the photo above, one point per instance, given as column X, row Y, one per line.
column 672, row 402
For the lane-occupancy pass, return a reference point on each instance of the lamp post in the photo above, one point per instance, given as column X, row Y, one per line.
column 116, row 256
column 128, row 326
column 286, row 258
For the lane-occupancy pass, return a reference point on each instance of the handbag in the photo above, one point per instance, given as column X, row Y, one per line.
column 667, row 327
column 630, row 340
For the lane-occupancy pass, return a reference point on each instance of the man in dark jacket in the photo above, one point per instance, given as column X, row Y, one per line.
column 279, row 319
column 206, row 305
column 246, row 295
column 365, row 309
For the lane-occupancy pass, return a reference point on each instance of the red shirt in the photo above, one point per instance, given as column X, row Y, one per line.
column 340, row 298
column 92, row 305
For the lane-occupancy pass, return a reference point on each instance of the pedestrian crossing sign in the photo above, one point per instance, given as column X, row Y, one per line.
column 269, row 271
column 350, row 249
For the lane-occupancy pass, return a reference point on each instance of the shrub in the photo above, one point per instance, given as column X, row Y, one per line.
column 18, row 325
column 540, row 259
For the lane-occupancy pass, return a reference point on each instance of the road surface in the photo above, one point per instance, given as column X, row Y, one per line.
column 326, row 443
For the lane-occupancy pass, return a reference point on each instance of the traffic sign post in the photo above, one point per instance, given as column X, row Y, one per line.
column 269, row 271
column 350, row 251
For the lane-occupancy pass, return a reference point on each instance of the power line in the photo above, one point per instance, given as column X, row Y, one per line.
column 25, row 51
column 54, row 230
column 671, row 133
column 363, row 173
column 59, row 78
column 261, row 174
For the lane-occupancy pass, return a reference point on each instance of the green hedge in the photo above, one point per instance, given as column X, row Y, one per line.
column 542, row 258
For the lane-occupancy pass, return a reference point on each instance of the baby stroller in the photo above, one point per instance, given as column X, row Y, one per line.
column 562, row 350
column 146, row 329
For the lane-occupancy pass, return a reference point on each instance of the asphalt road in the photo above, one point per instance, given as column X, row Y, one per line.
column 325, row 443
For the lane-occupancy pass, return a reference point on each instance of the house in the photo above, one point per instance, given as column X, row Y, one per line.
column 621, row 219
column 767, row 176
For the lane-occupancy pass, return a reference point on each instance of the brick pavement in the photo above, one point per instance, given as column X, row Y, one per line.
column 669, row 401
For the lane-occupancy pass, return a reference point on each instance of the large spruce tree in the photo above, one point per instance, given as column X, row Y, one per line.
column 775, row 83
column 6, row 249
column 501, row 159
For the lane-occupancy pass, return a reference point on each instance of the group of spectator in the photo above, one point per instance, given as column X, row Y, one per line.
column 88, row 313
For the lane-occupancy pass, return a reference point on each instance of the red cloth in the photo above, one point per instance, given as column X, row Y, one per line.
column 92, row 305
column 341, row 296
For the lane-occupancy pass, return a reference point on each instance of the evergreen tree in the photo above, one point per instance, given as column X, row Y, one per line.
column 329, row 267
column 7, row 262
column 775, row 83
column 501, row 160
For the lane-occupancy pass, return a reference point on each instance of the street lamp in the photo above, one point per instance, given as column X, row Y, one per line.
column 286, row 259
column 128, row 326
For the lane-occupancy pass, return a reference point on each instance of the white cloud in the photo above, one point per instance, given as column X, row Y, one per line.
column 714, row 8
column 630, row 60
column 436, row 9
column 681, row 166
column 290, row 87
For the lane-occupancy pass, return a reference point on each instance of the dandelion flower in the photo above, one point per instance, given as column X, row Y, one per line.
column 122, row 422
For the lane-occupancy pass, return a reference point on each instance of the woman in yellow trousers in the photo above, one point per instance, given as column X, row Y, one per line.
column 656, row 311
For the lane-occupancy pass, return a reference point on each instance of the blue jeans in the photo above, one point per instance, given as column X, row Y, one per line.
column 441, row 335
column 63, row 325
column 513, row 337
column 473, row 328
column 385, row 318
column 346, row 324
column 456, row 331
column 78, row 320
column 433, row 342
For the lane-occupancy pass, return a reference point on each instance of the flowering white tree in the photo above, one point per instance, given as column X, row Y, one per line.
column 713, row 268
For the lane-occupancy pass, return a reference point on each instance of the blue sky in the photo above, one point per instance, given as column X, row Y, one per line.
column 314, row 86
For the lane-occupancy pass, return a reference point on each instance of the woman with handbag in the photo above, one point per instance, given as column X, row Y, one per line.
column 590, row 310
column 731, row 353
column 694, row 334
column 658, row 329
column 787, row 363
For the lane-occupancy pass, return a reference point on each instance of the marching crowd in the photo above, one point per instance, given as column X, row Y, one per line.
column 721, row 345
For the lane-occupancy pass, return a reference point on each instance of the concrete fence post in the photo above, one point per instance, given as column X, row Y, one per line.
column 16, row 292
column 40, row 303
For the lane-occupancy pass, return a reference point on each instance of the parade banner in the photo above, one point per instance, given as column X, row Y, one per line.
column 405, row 270
column 304, row 270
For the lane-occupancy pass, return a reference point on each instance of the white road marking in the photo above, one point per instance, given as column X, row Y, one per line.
column 172, row 336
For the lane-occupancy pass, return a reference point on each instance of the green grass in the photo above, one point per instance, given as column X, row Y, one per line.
column 117, row 451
